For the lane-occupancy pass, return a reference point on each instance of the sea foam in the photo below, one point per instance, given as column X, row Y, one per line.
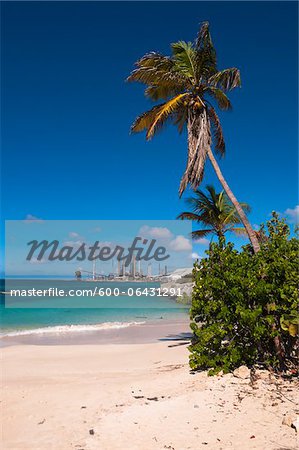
column 72, row 328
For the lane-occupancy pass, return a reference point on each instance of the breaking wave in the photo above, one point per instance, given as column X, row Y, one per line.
column 71, row 328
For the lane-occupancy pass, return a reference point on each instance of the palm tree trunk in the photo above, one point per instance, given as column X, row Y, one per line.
column 245, row 221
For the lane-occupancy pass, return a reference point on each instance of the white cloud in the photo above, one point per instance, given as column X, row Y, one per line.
column 156, row 232
column 293, row 214
column 202, row 241
column 30, row 218
column 74, row 244
column 73, row 234
column 76, row 236
column 180, row 244
column 195, row 255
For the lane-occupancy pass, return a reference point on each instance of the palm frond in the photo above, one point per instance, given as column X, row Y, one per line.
column 207, row 207
column 222, row 100
column 232, row 217
column 180, row 118
column 214, row 197
column 165, row 110
column 152, row 60
column 214, row 211
column 245, row 207
column 217, row 132
column 206, row 60
column 162, row 91
column 239, row 231
column 201, row 233
column 204, row 39
column 188, row 216
column 154, row 77
column 155, row 59
column 144, row 121
column 226, row 79
column 154, row 69
column 184, row 57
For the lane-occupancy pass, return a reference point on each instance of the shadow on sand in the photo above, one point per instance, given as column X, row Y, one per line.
column 182, row 338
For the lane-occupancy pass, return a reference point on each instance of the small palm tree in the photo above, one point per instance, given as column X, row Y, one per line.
column 189, row 82
column 215, row 212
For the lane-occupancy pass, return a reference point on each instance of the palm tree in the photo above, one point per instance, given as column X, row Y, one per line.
column 215, row 212
column 189, row 82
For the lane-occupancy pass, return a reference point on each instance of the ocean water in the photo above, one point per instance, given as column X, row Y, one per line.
column 115, row 313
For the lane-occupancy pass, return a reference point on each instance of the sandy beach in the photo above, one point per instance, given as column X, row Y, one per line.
column 136, row 396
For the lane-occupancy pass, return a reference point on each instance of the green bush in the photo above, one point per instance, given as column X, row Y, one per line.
column 185, row 299
column 243, row 305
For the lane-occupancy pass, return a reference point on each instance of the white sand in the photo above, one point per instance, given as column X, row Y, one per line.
column 54, row 395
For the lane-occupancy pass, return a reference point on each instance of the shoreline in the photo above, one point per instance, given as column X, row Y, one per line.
column 135, row 332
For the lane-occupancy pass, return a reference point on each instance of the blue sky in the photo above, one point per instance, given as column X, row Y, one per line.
column 67, row 152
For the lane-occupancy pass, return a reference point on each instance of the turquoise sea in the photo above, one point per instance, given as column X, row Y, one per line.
column 114, row 312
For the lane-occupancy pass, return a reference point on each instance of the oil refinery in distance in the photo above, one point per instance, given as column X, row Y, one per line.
column 134, row 272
